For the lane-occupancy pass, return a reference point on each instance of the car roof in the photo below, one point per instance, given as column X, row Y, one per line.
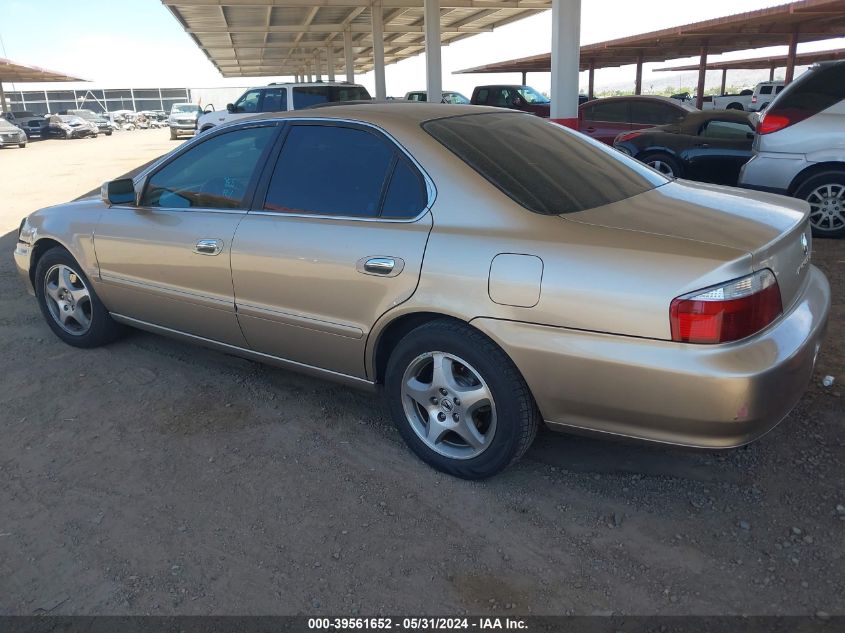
column 382, row 112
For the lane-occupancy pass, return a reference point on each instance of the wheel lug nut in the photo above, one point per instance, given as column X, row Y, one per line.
column 456, row 417
column 457, row 402
column 433, row 400
column 443, row 392
column 441, row 416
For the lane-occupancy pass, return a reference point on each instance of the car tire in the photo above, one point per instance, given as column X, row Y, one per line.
column 21, row 145
column 735, row 106
column 108, row 133
column 825, row 193
column 173, row 135
column 664, row 163
column 64, row 292
column 484, row 413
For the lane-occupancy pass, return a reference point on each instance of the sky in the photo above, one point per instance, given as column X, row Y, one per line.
column 138, row 43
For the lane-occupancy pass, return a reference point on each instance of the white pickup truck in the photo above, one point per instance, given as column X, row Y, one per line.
column 748, row 100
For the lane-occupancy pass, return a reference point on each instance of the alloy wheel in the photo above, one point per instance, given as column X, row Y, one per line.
column 448, row 405
column 827, row 207
column 68, row 299
column 662, row 166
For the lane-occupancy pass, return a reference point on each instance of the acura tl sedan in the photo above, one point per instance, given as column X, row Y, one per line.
column 486, row 269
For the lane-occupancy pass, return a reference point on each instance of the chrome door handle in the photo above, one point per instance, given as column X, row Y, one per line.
column 380, row 265
column 209, row 247
column 383, row 266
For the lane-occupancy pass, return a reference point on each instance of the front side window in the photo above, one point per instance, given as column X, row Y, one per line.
column 481, row 96
column 542, row 166
column 248, row 102
column 338, row 171
column 648, row 113
column 214, row 174
column 456, row 97
column 275, row 100
column 531, row 96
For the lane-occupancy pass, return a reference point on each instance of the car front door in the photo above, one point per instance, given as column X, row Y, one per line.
column 166, row 261
column 335, row 239
column 604, row 121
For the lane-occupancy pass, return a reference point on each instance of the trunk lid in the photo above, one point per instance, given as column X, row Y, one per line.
column 773, row 229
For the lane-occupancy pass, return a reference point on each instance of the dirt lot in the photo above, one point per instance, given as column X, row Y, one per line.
column 154, row 477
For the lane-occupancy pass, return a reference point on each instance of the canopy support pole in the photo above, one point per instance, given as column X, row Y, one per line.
column 724, row 80
column 566, row 52
column 524, row 78
column 3, row 105
column 702, row 75
column 638, row 87
column 790, row 57
column 347, row 54
column 377, row 19
column 318, row 71
column 330, row 62
column 772, row 73
column 591, row 93
column 433, row 68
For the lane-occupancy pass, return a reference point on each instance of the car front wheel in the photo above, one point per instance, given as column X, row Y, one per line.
column 825, row 193
column 663, row 163
column 69, row 304
column 458, row 400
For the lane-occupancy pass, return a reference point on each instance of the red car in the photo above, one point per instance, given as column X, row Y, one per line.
column 604, row 119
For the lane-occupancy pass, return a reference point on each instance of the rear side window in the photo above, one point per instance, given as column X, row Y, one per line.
column 542, row 166
column 610, row 112
column 304, row 96
column 765, row 90
column 330, row 170
column 728, row 130
column 406, row 195
column 481, row 96
column 814, row 91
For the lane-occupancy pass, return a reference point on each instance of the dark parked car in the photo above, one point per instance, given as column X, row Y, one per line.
column 523, row 98
column 66, row 126
column 605, row 119
column 704, row 146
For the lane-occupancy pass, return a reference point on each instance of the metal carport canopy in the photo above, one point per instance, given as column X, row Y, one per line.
column 13, row 72
column 251, row 38
column 787, row 24
column 772, row 61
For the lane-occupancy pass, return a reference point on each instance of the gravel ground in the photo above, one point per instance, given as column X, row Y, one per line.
column 152, row 477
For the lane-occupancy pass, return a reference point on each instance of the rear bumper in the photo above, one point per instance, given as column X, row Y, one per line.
column 708, row 396
column 772, row 172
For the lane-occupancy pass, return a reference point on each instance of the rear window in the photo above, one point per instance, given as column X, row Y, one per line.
column 305, row 96
column 814, row 91
column 544, row 167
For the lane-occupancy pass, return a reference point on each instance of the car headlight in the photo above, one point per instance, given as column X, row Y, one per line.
column 25, row 232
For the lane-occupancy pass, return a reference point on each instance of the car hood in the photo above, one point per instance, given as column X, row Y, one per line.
column 726, row 216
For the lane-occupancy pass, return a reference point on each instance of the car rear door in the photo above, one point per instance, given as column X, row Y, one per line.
column 335, row 239
column 604, row 121
column 166, row 261
column 719, row 151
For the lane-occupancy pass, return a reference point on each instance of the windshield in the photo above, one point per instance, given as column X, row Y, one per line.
column 543, row 166
column 531, row 96
column 73, row 120
column 185, row 108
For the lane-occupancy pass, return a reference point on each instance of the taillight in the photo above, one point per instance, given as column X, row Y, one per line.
column 729, row 312
column 753, row 98
column 779, row 119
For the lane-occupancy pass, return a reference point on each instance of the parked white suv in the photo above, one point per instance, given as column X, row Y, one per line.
column 799, row 149
column 280, row 97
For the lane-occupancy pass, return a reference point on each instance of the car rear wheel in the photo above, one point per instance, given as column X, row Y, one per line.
column 735, row 106
column 663, row 163
column 825, row 194
column 173, row 134
column 69, row 304
column 21, row 145
column 458, row 401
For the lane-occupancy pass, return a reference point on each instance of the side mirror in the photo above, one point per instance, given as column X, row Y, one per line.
column 210, row 108
column 118, row 192
column 230, row 108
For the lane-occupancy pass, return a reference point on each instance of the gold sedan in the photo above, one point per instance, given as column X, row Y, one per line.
column 488, row 269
